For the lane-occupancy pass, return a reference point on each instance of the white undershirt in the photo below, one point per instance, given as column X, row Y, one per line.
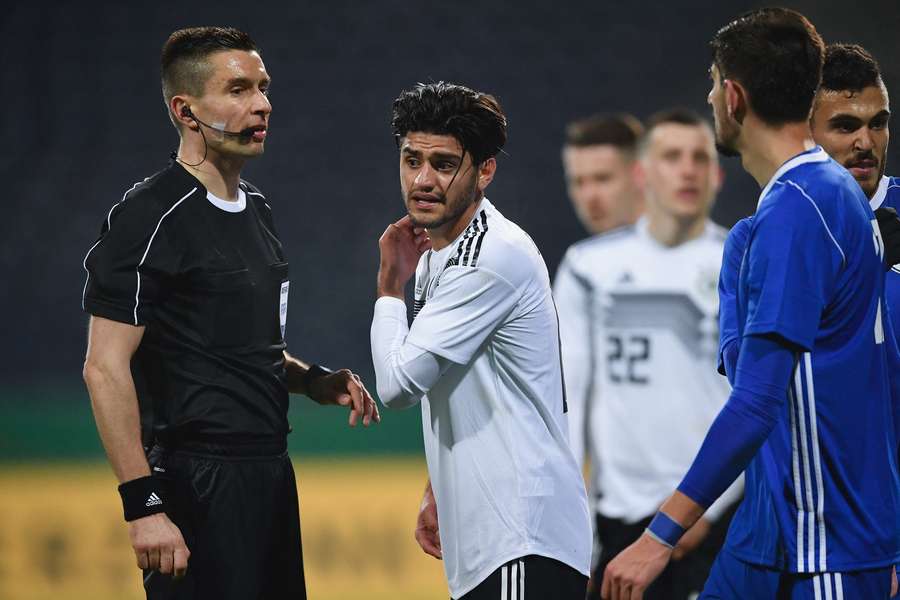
column 232, row 206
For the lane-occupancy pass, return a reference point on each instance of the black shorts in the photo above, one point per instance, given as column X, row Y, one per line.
column 531, row 578
column 237, row 509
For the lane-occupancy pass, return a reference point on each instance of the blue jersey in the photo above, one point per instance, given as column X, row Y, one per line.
column 888, row 195
column 823, row 492
column 732, row 257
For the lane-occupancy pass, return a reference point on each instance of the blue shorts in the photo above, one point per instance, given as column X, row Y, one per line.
column 734, row 579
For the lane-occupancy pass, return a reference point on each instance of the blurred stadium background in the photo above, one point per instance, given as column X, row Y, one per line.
column 83, row 120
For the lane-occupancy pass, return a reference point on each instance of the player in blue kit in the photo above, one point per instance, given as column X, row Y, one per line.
column 850, row 120
column 810, row 415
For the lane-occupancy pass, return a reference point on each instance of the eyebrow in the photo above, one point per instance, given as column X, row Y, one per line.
column 436, row 155
column 847, row 117
column 246, row 81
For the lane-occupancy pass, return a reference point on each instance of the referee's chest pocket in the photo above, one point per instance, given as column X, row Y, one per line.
column 226, row 305
column 242, row 307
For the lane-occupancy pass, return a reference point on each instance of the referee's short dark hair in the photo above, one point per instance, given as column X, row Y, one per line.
column 849, row 67
column 622, row 131
column 776, row 54
column 475, row 119
column 184, row 65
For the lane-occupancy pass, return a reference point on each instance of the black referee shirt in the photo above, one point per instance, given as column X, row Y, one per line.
column 211, row 288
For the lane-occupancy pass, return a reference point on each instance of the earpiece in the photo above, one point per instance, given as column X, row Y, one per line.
column 186, row 111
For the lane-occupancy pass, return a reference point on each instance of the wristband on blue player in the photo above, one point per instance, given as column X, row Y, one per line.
column 665, row 530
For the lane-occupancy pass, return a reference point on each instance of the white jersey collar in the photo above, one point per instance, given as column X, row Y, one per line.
column 483, row 204
column 232, row 206
column 876, row 200
column 812, row 155
column 642, row 228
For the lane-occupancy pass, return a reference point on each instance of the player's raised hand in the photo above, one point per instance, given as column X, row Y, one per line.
column 634, row 569
column 158, row 545
column 428, row 534
column 401, row 245
column 345, row 388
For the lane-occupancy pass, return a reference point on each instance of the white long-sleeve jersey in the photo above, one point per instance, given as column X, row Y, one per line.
column 482, row 354
column 639, row 330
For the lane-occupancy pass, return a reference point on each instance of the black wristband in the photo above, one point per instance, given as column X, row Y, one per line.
column 143, row 497
column 316, row 371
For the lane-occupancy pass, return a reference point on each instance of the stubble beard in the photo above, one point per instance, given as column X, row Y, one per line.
column 453, row 210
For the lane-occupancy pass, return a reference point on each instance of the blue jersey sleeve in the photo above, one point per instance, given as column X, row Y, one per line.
column 756, row 402
column 732, row 257
column 793, row 263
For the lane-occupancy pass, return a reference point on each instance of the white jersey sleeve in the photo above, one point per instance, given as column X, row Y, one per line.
column 571, row 294
column 403, row 372
column 466, row 309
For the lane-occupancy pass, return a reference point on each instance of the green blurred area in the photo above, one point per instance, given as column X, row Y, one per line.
column 53, row 420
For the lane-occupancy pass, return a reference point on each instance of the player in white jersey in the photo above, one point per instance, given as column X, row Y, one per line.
column 599, row 163
column 482, row 357
column 638, row 313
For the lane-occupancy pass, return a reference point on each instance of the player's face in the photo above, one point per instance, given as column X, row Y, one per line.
column 726, row 130
column 681, row 171
column 440, row 185
column 601, row 186
column 853, row 128
column 235, row 97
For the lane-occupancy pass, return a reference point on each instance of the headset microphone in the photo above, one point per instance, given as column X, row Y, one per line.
column 243, row 133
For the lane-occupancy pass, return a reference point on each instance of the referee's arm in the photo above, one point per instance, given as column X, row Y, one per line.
column 157, row 542
column 342, row 387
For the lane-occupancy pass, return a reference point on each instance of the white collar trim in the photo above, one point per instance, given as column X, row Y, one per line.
column 817, row 154
column 877, row 200
column 232, row 206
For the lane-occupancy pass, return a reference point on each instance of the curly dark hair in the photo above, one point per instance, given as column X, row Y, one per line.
column 849, row 67
column 475, row 119
column 776, row 54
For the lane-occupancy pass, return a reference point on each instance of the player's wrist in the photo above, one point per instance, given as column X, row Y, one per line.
column 143, row 497
column 390, row 283
column 665, row 530
column 314, row 375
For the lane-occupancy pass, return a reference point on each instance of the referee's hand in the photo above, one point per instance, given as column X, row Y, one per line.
column 345, row 388
column 158, row 545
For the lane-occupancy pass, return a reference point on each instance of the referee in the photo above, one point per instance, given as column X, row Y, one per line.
column 187, row 288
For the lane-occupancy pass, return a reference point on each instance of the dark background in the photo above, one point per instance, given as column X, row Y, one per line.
column 83, row 120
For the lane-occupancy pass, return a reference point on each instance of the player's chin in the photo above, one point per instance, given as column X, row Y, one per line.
column 420, row 219
column 868, row 184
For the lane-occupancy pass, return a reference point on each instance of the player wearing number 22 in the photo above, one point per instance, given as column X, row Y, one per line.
column 810, row 415
column 637, row 309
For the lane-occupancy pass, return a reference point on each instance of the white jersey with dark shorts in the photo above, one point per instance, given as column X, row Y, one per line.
column 494, row 411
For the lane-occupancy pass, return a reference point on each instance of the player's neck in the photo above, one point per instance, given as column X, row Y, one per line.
column 442, row 236
column 219, row 174
column 671, row 231
column 767, row 148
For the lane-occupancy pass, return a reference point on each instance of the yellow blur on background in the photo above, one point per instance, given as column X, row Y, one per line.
column 62, row 535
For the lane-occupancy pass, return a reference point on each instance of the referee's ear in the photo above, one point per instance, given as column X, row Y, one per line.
column 486, row 172
column 181, row 115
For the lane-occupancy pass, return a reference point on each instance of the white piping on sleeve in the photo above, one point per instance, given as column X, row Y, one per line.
column 147, row 250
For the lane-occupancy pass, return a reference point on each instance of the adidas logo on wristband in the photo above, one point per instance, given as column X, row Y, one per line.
column 153, row 500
